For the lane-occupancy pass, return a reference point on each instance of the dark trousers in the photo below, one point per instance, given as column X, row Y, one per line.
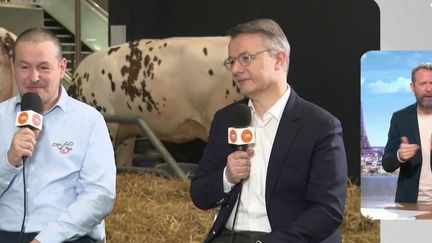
column 14, row 237
column 226, row 236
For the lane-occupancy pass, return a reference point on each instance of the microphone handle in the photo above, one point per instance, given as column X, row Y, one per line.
column 24, row 158
column 242, row 147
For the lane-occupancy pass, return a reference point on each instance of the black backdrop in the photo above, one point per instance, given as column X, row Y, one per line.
column 327, row 40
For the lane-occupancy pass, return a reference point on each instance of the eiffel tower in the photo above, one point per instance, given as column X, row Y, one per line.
column 371, row 163
column 364, row 141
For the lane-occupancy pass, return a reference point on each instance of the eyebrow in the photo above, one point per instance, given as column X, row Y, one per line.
column 245, row 52
column 27, row 63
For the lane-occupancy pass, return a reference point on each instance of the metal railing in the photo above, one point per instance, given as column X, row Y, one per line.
column 166, row 156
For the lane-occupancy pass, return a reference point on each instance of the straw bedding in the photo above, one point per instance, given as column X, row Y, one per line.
column 151, row 208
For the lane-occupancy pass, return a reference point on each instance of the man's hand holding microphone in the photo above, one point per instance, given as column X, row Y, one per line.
column 29, row 120
column 240, row 134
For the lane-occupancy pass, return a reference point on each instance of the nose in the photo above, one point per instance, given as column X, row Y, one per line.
column 34, row 75
column 236, row 67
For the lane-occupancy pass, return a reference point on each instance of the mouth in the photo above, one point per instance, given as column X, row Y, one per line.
column 33, row 89
column 242, row 80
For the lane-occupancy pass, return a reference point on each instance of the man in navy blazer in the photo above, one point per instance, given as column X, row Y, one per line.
column 293, row 179
column 409, row 141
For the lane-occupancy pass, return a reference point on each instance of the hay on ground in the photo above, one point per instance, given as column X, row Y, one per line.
column 151, row 208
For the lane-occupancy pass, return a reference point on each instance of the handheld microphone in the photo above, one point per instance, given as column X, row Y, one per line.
column 240, row 133
column 29, row 116
column 31, row 106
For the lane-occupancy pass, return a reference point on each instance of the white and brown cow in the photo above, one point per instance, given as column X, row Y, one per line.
column 175, row 85
column 7, row 41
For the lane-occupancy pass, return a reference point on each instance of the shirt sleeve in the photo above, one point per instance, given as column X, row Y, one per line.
column 226, row 184
column 7, row 173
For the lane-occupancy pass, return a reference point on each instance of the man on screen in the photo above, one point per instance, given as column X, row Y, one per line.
column 409, row 141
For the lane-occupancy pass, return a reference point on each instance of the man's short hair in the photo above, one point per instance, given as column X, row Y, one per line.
column 273, row 35
column 38, row 35
column 425, row 65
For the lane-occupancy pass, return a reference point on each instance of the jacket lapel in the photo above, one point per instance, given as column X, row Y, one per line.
column 288, row 129
column 413, row 123
column 415, row 131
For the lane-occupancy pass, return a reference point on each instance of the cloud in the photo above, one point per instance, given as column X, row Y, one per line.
column 401, row 84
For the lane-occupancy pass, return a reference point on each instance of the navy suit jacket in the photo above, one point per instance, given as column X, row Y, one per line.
column 404, row 123
column 306, row 177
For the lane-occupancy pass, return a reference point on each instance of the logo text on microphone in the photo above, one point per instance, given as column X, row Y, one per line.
column 241, row 136
column 29, row 118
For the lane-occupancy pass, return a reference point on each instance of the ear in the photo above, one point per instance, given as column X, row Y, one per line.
column 63, row 65
column 412, row 85
column 281, row 59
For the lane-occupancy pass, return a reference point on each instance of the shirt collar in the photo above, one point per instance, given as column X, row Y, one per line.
column 277, row 109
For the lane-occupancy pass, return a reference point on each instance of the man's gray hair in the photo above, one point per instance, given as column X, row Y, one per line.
column 273, row 35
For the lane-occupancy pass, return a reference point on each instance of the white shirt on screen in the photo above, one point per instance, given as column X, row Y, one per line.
column 425, row 184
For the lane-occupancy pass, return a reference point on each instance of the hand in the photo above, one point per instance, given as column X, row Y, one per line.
column 238, row 165
column 407, row 150
column 22, row 144
column 35, row 241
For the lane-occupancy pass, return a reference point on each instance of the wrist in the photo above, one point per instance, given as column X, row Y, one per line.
column 16, row 165
column 400, row 159
column 12, row 163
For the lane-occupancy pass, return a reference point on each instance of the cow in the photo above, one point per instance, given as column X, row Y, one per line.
column 7, row 86
column 174, row 84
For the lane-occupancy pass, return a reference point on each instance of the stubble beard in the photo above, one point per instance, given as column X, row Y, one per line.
column 424, row 103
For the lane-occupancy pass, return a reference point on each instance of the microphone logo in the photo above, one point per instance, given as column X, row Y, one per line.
column 233, row 136
column 37, row 120
column 247, row 136
column 22, row 118
column 30, row 119
column 241, row 136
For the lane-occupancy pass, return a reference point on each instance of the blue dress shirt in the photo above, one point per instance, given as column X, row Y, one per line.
column 70, row 177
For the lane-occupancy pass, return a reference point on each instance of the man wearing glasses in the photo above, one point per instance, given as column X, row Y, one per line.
column 293, row 179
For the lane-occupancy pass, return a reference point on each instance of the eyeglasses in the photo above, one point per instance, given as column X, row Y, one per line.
column 244, row 59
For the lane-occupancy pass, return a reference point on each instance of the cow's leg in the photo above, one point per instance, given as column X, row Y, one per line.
column 124, row 152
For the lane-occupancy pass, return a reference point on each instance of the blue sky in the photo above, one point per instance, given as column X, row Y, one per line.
column 385, row 88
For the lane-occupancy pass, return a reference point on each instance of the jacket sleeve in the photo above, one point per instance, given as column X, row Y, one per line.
column 322, row 187
column 207, row 184
column 390, row 161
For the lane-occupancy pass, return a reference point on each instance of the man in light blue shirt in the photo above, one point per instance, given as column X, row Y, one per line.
column 70, row 169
